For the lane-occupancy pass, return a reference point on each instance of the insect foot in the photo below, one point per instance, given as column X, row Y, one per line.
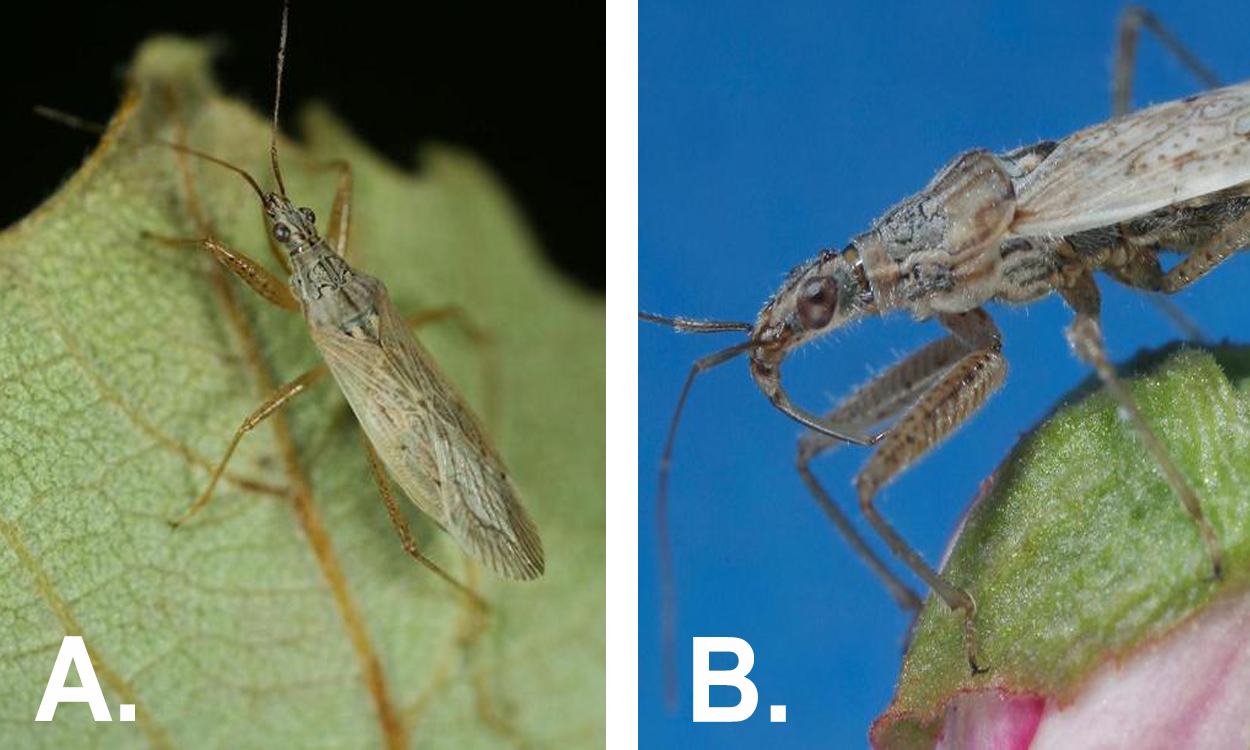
column 1090, row 591
column 1085, row 336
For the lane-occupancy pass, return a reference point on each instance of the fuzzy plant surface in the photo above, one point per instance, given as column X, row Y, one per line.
column 285, row 614
column 1092, row 583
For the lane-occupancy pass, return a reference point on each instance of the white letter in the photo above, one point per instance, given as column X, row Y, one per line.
column 73, row 650
column 736, row 677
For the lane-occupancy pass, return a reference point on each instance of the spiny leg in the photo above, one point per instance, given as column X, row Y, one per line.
column 1143, row 270
column 1132, row 20
column 275, row 401
column 869, row 405
column 1198, row 261
column 405, row 533
column 194, row 208
column 956, row 395
column 256, row 276
column 1085, row 335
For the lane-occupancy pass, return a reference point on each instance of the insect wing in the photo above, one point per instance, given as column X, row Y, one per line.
column 431, row 443
column 1123, row 168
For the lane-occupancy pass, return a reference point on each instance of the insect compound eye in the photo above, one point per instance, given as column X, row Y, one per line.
column 308, row 215
column 281, row 232
column 818, row 299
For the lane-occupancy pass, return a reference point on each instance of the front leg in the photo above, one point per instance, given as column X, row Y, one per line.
column 952, row 399
column 868, row 406
column 339, row 228
column 256, row 276
column 1085, row 335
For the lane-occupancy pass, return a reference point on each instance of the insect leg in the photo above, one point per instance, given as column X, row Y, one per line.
column 956, row 395
column 255, row 275
column 1198, row 261
column 194, row 207
column 1085, row 335
column 405, row 533
column 880, row 399
column 338, row 230
column 1131, row 22
column 271, row 404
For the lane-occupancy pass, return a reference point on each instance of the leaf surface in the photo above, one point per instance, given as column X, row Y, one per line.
column 275, row 617
column 1079, row 552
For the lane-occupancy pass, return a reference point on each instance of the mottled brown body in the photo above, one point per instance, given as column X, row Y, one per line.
column 423, row 431
column 1010, row 227
column 415, row 422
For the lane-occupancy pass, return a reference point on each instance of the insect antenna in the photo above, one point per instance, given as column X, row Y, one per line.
column 668, row 604
column 78, row 123
column 277, row 100
column 693, row 325
column 70, row 121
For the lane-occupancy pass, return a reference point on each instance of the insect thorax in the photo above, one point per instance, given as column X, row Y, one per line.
column 331, row 292
column 949, row 249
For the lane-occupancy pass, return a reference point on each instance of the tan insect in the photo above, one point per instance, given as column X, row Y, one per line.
column 1011, row 227
column 414, row 420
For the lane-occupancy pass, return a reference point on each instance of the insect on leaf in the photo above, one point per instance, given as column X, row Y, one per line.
column 271, row 620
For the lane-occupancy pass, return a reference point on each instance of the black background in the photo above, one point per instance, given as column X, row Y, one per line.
column 521, row 85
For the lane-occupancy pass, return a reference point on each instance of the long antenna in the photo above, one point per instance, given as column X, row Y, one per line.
column 277, row 100
column 668, row 594
column 79, row 123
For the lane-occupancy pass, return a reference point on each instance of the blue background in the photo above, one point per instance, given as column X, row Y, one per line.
column 768, row 131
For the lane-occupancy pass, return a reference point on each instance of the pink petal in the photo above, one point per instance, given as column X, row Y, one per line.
column 991, row 720
column 1190, row 689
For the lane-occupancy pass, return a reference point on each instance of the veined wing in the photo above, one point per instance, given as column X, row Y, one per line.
column 1123, row 168
column 430, row 442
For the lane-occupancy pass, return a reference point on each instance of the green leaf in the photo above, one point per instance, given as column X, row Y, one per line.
column 1080, row 552
column 268, row 621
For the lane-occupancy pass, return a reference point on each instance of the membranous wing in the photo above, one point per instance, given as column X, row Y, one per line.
column 429, row 441
column 1132, row 165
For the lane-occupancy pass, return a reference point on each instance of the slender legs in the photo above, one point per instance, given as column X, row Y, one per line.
column 867, row 407
column 256, row 276
column 274, row 290
column 271, row 404
column 1132, row 20
column 406, row 539
column 934, row 391
column 338, row 229
column 1085, row 335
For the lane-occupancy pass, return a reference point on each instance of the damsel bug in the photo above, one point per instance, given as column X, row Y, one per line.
column 415, row 422
column 1007, row 227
